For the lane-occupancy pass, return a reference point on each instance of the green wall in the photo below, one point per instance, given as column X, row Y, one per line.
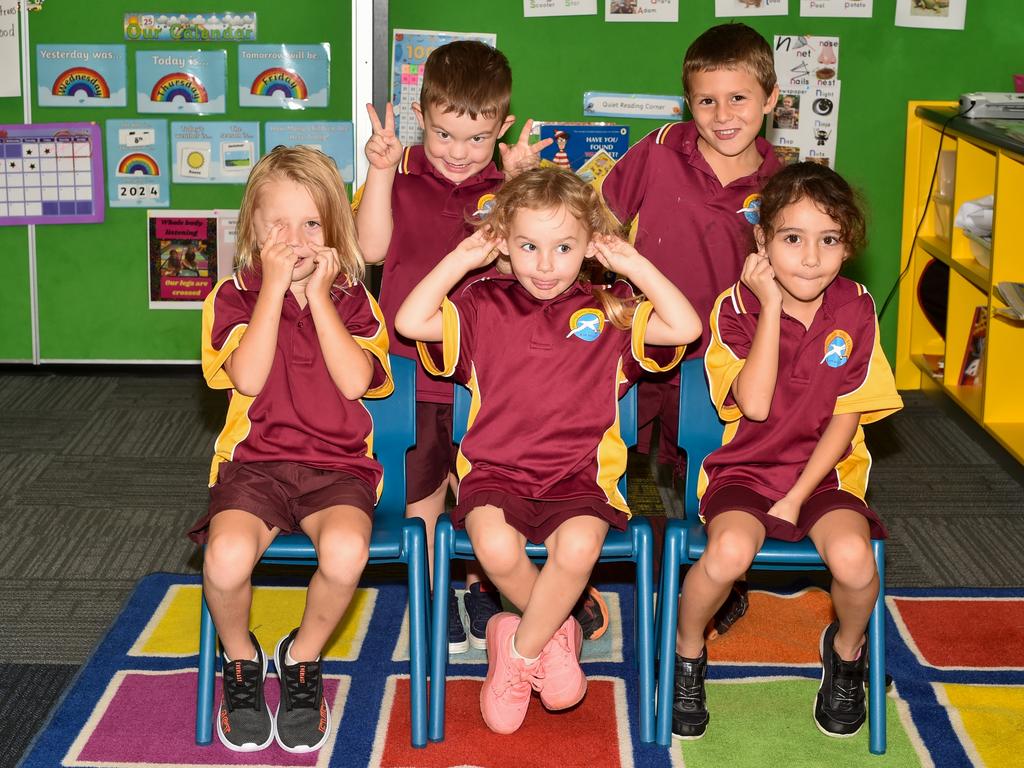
column 93, row 278
column 882, row 67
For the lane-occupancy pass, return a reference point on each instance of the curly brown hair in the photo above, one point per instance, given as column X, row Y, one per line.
column 826, row 189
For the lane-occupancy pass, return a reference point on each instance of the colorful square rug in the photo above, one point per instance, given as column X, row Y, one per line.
column 957, row 658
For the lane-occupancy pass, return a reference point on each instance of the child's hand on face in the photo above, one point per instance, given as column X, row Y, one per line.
column 521, row 156
column 786, row 509
column 327, row 267
column 615, row 254
column 759, row 277
column 277, row 260
column 477, row 250
column 383, row 149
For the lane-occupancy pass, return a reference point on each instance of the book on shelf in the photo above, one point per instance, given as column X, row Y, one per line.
column 1013, row 295
column 970, row 371
column 935, row 363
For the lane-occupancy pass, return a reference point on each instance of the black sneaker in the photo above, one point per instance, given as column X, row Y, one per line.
column 480, row 604
column 457, row 641
column 839, row 708
column 689, row 705
column 303, row 718
column 592, row 614
column 243, row 722
column 733, row 609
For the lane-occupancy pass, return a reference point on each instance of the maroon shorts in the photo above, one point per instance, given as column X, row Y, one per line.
column 429, row 462
column 281, row 493
column 658, row 399
column 536, row 519
column 728, row 497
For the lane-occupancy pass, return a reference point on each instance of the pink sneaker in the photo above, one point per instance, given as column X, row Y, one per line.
column 564, row 684
column 505, row 695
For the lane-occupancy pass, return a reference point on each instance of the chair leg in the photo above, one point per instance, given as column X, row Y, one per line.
column 443, row 542
column 644, row 544
column 204, row 691
column 876, row 657
column 416, row 548
column 675, row 546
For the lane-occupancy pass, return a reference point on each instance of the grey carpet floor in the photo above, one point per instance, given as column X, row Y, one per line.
column 100, row 475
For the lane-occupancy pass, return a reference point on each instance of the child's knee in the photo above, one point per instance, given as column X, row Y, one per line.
column 851, row 562
column 727, row 557
column 342, row 555
column 228, row 561
column 578, row 553
column 498, row 554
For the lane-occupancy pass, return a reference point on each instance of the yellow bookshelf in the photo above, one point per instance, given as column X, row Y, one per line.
column 978, row 159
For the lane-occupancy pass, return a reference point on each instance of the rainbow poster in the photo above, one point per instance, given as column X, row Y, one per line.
column 181, row 82
column 286, row 76
column 138, row 171
column 81, row 75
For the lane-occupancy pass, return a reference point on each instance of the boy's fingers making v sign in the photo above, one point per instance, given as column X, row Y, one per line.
column 383, row 149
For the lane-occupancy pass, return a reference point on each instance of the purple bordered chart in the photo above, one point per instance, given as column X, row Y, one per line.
column 52, row 173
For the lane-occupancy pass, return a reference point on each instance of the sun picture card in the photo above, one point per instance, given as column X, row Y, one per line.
column 931, row 14
column 138, row 173
column 181, row 82
column 214, row 152
column 81, row 75
column 334, row 139
column 285, row 76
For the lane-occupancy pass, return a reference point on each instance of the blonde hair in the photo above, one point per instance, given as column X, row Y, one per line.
column 542, row 189
column 318, row 174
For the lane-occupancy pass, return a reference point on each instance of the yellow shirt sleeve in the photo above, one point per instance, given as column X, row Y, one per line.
column 639, row 347
column 377, row 345
column 213, row 358
column 721, row 361
column 450, row 337
column 876, row 397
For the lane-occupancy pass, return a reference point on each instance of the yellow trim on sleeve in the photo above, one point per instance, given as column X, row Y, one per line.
column 449, row 343
column 377, row 345
column 213, row 359
column 638, row 346
column 876, row 397
column 722, row 365
column 357, row 198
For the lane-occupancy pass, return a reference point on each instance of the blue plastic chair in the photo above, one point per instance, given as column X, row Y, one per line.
column 700, row 432
column 635, row 544
column 395, row 539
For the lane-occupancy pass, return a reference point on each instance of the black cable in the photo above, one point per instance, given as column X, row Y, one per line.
column 927, row 203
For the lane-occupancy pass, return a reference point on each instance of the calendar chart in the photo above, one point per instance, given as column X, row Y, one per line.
column 52, row 173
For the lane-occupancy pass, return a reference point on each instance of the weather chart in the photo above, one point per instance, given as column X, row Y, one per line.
column 52, row 174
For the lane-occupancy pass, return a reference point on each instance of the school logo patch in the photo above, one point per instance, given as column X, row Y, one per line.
column 751, row 209
column 838, row 346
column 586, row 324
column 484, row 205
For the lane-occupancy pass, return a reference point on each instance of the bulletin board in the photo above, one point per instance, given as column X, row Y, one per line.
column 92, row 279
column 882, row 67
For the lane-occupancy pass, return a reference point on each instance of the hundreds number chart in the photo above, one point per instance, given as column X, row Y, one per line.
column 410, row 49
column 52, row 174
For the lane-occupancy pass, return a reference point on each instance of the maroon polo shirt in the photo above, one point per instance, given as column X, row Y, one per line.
column 835, row 366
column 299, row 415
column 684, row 220
column 545, row 378
column 431, row 216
